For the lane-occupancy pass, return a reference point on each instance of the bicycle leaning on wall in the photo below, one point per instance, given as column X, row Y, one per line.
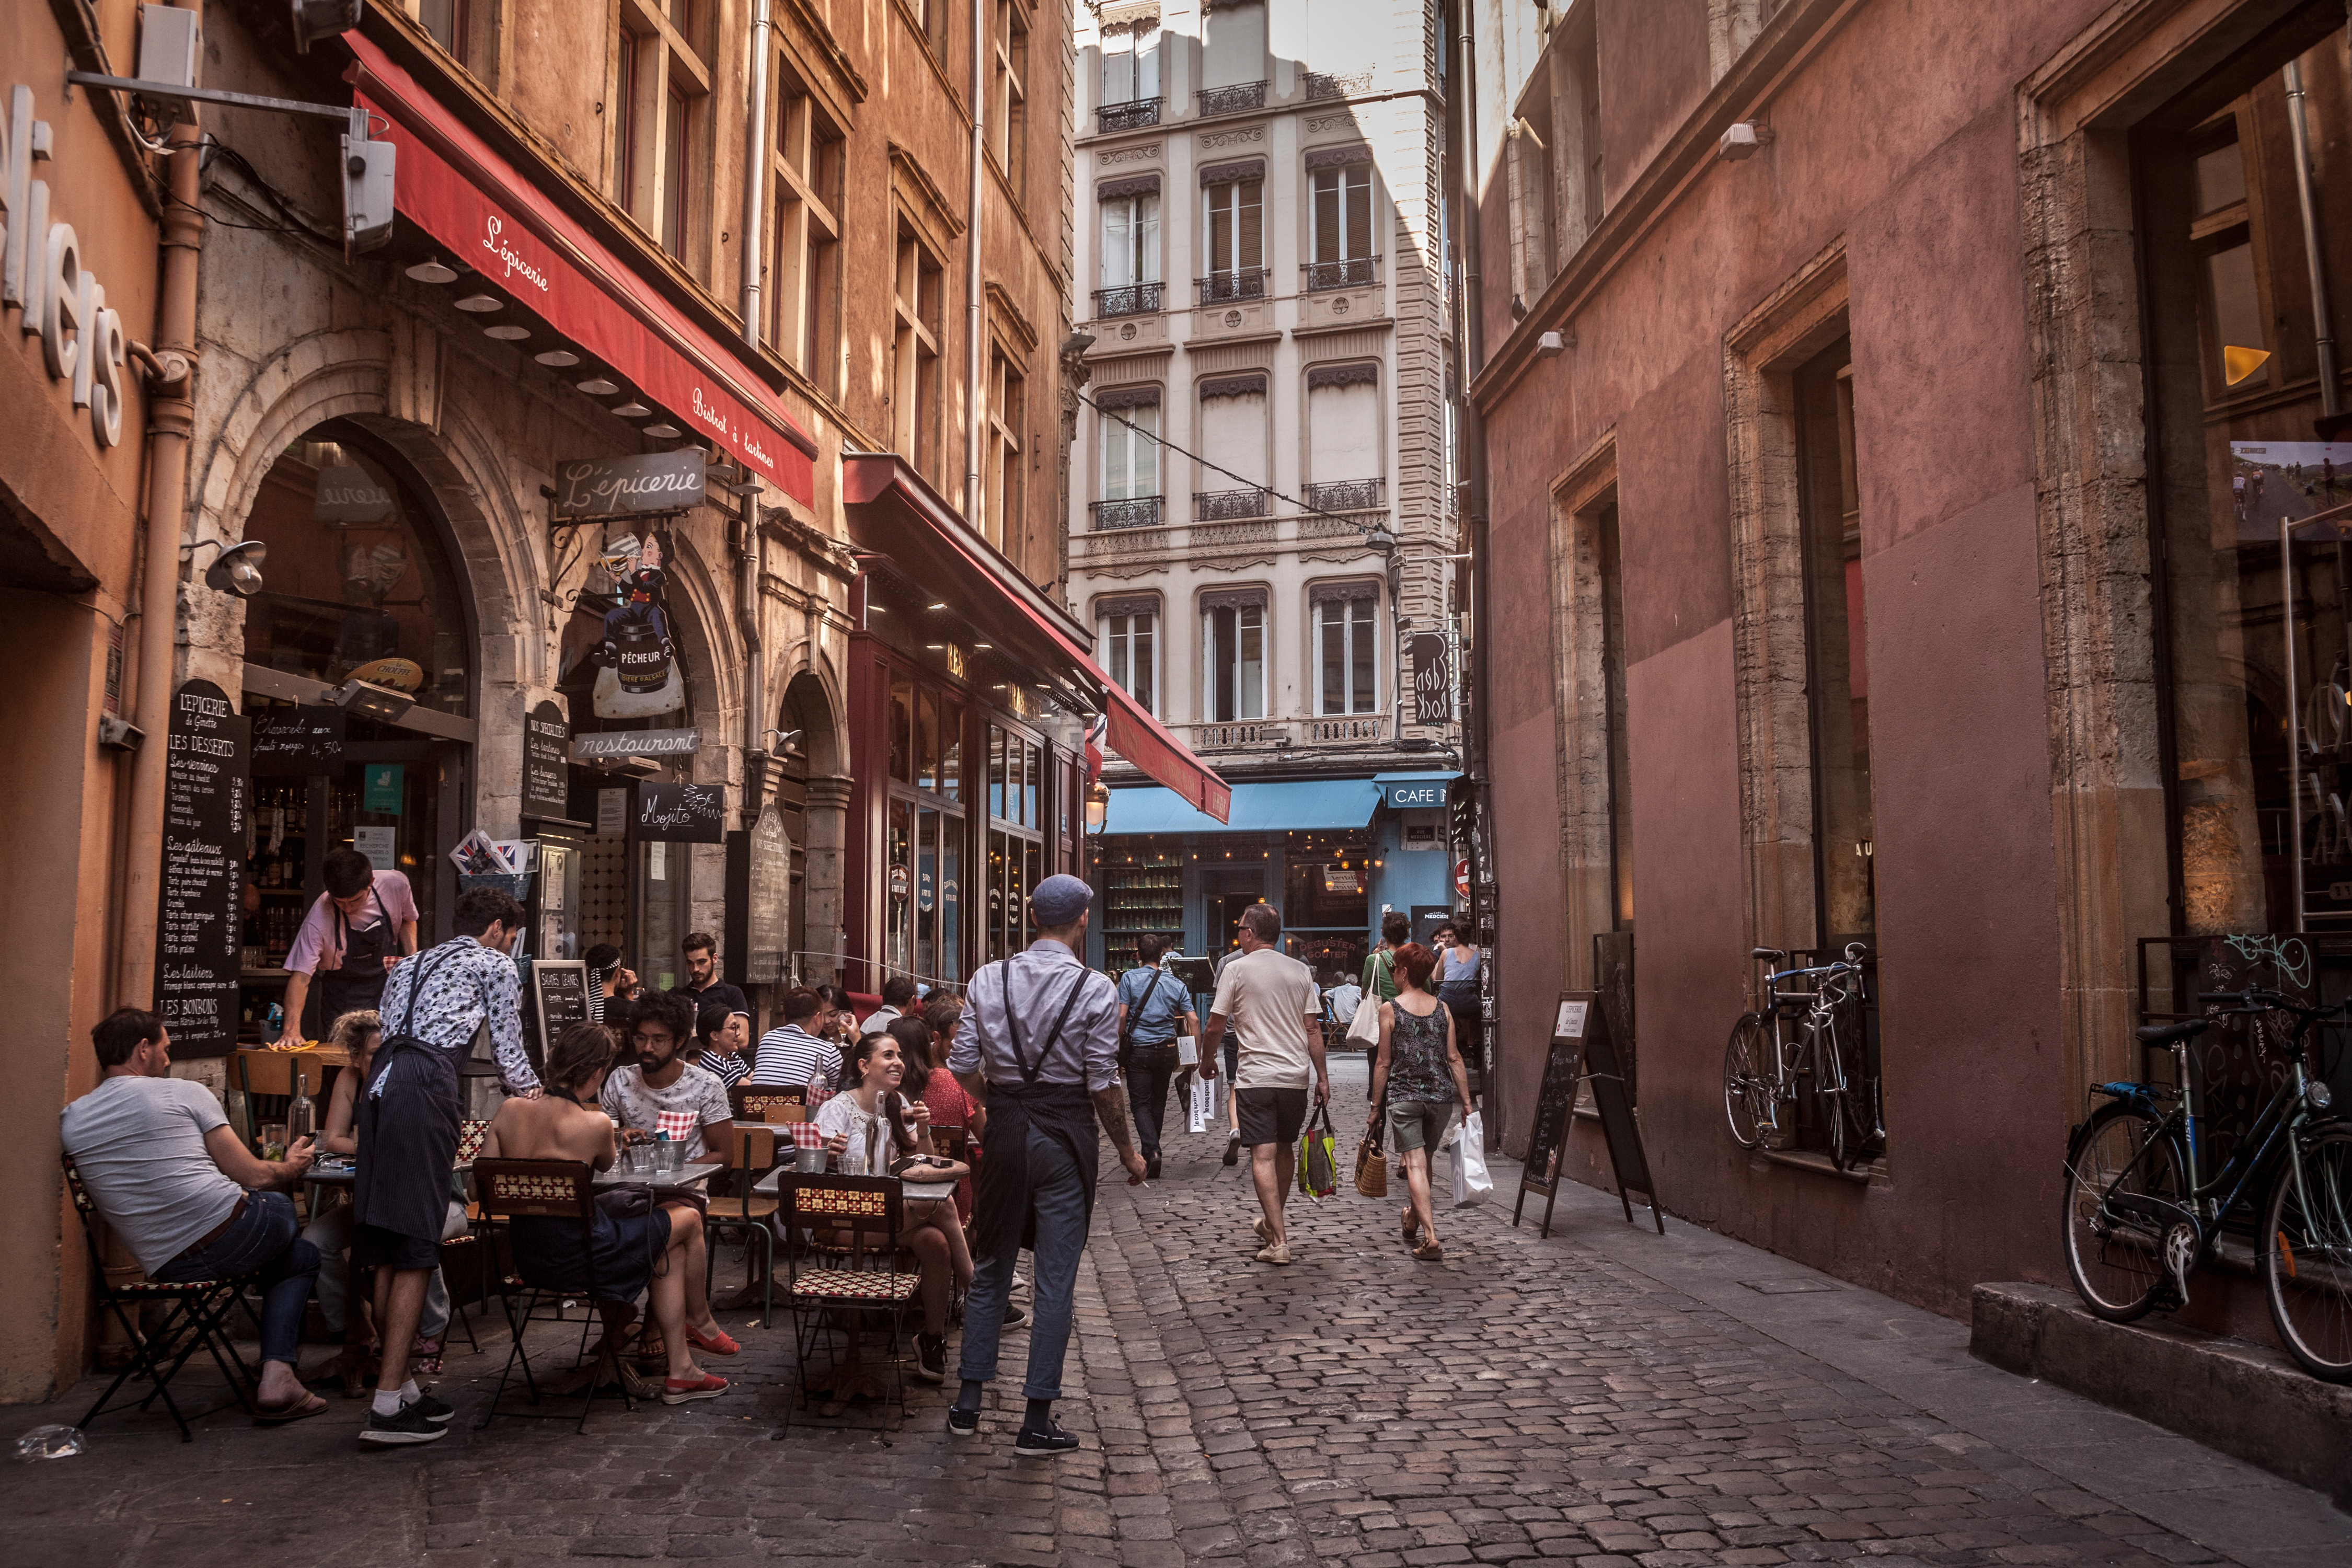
column 2141, row 1218
column 1808, row 1038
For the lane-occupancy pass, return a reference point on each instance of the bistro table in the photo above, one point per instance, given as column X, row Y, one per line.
column 684, row 1179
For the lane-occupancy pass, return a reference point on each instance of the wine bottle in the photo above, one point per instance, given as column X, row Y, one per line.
column 302, row 1116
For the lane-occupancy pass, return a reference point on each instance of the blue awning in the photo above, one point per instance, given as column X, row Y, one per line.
column 1293, row 805
column 1414, row 791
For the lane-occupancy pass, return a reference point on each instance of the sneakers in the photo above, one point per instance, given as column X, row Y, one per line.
column 1233, row 1146
column 963, row 1423
column 1258, row 1225
column 410, row 1426
column 431, row 1408
column 1014, row 1318
column 931, row 1358
column 1043, row 1443
column 1274, row 1252
column 675, row 1392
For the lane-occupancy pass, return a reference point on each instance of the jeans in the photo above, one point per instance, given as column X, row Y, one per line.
column 1147, row 1069
column 331, row 1233
column 262, row 1243
column 1058, row 1192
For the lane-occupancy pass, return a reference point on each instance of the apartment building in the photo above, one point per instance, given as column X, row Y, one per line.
column 1259, row 531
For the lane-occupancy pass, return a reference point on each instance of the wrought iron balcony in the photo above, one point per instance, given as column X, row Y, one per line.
column 1357, row 273
column 1229, row 506
column 1132, row 115
column 1136, row 512
column 1233, row 100
column 1223, row 287
column 1128, row 300
column 1344, row 495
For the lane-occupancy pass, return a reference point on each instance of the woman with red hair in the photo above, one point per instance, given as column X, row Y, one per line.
column 1419, row 1077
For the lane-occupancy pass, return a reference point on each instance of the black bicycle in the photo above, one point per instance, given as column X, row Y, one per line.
column 2141, row 1219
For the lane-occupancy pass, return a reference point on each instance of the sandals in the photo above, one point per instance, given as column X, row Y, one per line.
column 1429, row 1252
column 720, row 1343
column 424, row 1358
column 304, row 1406
column 1412, row 1228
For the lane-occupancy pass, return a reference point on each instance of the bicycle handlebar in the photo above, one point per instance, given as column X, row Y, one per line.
column 2254, row 999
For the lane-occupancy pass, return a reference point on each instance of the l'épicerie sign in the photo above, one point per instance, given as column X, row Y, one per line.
column 625, row 486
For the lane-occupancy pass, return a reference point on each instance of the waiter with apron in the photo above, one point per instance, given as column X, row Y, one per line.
column 433, row 1004
column 357, row 929
column 1038, row 1047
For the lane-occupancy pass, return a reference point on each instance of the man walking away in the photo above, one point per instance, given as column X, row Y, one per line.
column 1273, row 1004
column 1152, row 1010
column 433, row 1004
column 1038, row 1041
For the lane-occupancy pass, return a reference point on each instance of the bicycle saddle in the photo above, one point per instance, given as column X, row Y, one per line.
column 2171, row 1034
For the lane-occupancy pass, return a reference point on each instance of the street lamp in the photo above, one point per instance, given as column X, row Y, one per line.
column 1098, row 807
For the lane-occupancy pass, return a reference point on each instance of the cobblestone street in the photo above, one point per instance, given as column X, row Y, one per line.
column 1602, row 1396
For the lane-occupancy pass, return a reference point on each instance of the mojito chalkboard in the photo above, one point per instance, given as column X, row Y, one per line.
column 207, row 807
column 287, row 741
column 1583, row 1051
column 546, row 742
column 682, row 813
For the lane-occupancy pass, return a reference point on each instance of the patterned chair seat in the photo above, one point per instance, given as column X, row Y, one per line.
column 169, row 1288
column 855, row 1285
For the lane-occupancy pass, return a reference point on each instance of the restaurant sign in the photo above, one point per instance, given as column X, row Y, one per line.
column 636, row 743
column 588, row 488
column 83, row 344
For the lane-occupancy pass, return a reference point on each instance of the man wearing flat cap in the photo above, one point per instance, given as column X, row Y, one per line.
column 1038, row 1046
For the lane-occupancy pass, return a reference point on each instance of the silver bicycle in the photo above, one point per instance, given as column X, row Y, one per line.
column 1808, row 1037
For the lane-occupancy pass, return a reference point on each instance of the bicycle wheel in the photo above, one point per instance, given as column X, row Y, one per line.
column 2307, row 1254
column 1857, row 1102
column 2115, row 1256
column 1828, row 1088
column 1747, row 1079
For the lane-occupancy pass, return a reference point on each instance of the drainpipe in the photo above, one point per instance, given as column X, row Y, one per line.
column 755, row 702
column 1464, row 89
column 2331, row 399
column 755, row 184
column 973, row 414
column 171, row 418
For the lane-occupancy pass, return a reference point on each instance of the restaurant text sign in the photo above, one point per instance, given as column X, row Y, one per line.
column 625, row 487
column 199, row 936
column 546, row 786
column 682, row 813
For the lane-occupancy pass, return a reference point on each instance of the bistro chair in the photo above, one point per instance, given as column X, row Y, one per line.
column 198, row 1317
column 752, row 1151
column 827, row 1295
column 473, row 1244
column 763, row 1102
column 547, row 1189
column 269, row 1075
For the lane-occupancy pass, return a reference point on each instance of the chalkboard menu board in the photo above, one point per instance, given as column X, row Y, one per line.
column 769, row 941
column 298, row 740
column 682, row 813
column 546, row 748
column 1581, row 1051
column 558, row 999
column 207, row 808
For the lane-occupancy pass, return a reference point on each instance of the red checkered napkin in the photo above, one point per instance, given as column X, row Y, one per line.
column 804, row 1134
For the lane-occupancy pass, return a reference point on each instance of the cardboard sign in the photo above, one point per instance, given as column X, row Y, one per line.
column 682, row 813
column 199, row 926
column 1582, row 1052
column 298, row 740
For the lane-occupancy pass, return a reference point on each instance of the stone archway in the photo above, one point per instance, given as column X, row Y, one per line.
column 816, row 763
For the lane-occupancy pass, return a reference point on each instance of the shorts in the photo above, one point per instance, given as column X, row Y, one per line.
column 1272, row 1115
column 1421, row 1123
column 374, row 1246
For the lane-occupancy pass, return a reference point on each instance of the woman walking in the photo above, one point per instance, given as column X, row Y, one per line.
column 1419, row 1077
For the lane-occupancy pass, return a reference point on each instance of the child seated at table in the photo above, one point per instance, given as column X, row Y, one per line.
column 660, row 1250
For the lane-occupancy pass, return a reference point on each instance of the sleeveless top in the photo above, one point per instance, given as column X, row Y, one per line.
column 1417, row 1068
column 1459, row 965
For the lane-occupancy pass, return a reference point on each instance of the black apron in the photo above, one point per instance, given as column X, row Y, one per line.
column 408, row 1132
column 1063, row 1111
column 358, row 985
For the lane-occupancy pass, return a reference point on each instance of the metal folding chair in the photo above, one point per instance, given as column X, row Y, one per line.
column 200, row 1309
column 547, row 1189
column 861, row 1205
column 751, row 1152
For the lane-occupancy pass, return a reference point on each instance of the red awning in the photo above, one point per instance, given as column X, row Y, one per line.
column 893, row 513
column 451, row 183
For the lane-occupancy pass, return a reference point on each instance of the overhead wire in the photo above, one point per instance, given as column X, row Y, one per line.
column 1304, row 507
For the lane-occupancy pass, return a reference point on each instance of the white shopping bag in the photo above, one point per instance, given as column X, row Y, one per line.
column 1205, row 1103
column 1471, row 1184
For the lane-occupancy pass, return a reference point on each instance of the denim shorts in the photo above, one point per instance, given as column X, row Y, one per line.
column 1421, row 1123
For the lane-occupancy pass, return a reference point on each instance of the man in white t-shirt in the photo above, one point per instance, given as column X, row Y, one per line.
column 1275, row 1010
column 661, row 1091
column 184, row 1194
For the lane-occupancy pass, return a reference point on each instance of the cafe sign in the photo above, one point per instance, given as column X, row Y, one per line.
column 82, row 342
column 588, row 488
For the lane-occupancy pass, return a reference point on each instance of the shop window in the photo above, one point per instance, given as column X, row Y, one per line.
column 663, row 874
column 1233, row 636
column 915, row 358
column 1130, row 652
column 1346, row 643
column 1001, row 480
column 806, row 258
column 924, row 832
column 1009, row 93
column 1836, row 626
column 1017, row 849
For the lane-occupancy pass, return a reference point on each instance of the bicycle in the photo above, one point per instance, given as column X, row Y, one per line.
column 2141, row 1219
column 1764, row 1067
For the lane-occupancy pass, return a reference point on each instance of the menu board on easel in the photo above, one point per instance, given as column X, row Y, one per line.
column 207, row 806
column 559, row 998
column 1582, row 1052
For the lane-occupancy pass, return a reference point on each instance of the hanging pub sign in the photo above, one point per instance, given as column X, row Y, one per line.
column 682, row 813
column 637, row 674
column 546, row 741
column 597, row 488
column 1432, row 679
column 298, row 740
column 208, row 811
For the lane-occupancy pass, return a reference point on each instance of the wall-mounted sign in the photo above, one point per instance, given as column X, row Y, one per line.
column 199, row 934
column 1432, row 679
column 83, row 344
column 588, row 488
column 1336, row 880
column 293, row 741
column 612, row 813
column 1420, row 795
column 638, row 675
column 382, row 785
column 379, row 844
column 768, row 936
column 546, row 788
column 682, row 813
column 636, row 743
column 347, row 495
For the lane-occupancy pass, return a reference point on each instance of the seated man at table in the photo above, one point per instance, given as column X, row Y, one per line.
column 789, row 1054
column 661, row 1091
column 158, row 1158
column 659, row 1252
